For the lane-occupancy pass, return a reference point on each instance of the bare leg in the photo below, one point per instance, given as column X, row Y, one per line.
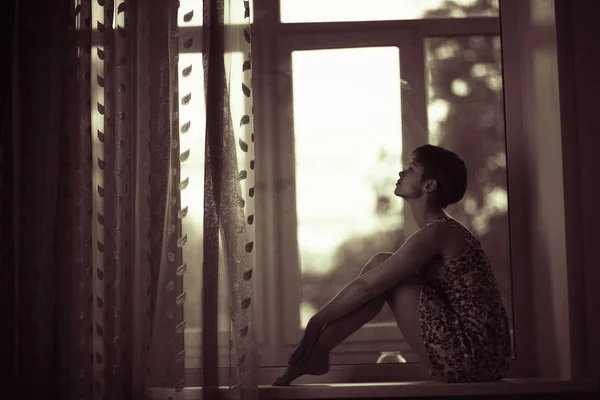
column 339, row 330
column 336, row 332
column 404, row 302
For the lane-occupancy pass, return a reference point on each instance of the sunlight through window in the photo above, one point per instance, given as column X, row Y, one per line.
column 344, row 183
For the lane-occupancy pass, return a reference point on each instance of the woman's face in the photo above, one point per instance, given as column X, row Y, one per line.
column 410, row 183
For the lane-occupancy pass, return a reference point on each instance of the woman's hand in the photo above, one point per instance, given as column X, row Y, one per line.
column 305, row 347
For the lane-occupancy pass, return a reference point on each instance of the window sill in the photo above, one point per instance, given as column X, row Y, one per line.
column 577, row 389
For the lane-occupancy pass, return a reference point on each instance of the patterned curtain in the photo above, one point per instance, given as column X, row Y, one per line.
column 98, row 232
column 229, row 191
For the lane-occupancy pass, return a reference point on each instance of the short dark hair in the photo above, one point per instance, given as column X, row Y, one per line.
column 447, row 169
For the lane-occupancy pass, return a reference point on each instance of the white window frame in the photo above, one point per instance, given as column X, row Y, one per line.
column 523, row 131
column 273, row 43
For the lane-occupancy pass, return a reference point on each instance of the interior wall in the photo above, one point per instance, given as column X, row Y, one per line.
column 543, row 125
column 580, row 86
column 551, row 59
column 8, row 336
column 531, row 72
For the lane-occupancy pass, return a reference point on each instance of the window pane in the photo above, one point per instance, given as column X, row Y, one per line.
column 348, row 144
column 466, row 114
column 382, row 10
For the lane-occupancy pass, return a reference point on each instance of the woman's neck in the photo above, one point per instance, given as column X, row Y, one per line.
column 424, row 213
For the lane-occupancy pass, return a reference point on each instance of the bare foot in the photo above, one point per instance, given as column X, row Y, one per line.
column 314, row 365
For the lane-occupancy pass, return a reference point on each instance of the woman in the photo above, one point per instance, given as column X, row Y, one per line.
column 439, row 285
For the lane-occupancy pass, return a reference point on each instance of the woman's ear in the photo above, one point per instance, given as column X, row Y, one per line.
column 430, row 185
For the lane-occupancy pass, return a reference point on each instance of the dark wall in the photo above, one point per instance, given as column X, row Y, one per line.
column 7, row 287
column 578, row 35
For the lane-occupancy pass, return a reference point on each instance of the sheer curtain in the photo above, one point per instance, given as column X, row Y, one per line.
column 229, row 193
column 96, row 199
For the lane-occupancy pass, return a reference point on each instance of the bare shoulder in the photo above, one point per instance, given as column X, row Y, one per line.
column 433, row 236
column 452, row 242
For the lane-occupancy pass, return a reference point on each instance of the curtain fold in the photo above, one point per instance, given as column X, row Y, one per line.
column 238, row 217
column 167, row 354
column 229, row 191
column 98, row 232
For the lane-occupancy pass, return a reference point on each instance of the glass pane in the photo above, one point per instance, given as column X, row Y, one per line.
column 383, row 10
column 466, row 115
column 344, row 182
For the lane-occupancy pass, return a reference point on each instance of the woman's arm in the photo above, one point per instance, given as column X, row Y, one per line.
column 414, row 253
column 352, row 296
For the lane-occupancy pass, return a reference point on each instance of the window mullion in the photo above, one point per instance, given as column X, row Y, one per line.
column 266, row 281
column 287, row 260
column 428, row 27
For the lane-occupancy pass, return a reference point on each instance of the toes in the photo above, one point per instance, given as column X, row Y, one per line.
column 276, row 382
column 279, row 382
column 282, row 380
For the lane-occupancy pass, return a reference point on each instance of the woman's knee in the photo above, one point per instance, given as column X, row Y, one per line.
column 379, row 258
column 375, row 261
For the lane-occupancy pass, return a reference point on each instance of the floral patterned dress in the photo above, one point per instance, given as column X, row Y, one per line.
column 463, row 320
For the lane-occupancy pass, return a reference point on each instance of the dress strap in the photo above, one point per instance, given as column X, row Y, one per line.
column 439, row 219
column 466, row 234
